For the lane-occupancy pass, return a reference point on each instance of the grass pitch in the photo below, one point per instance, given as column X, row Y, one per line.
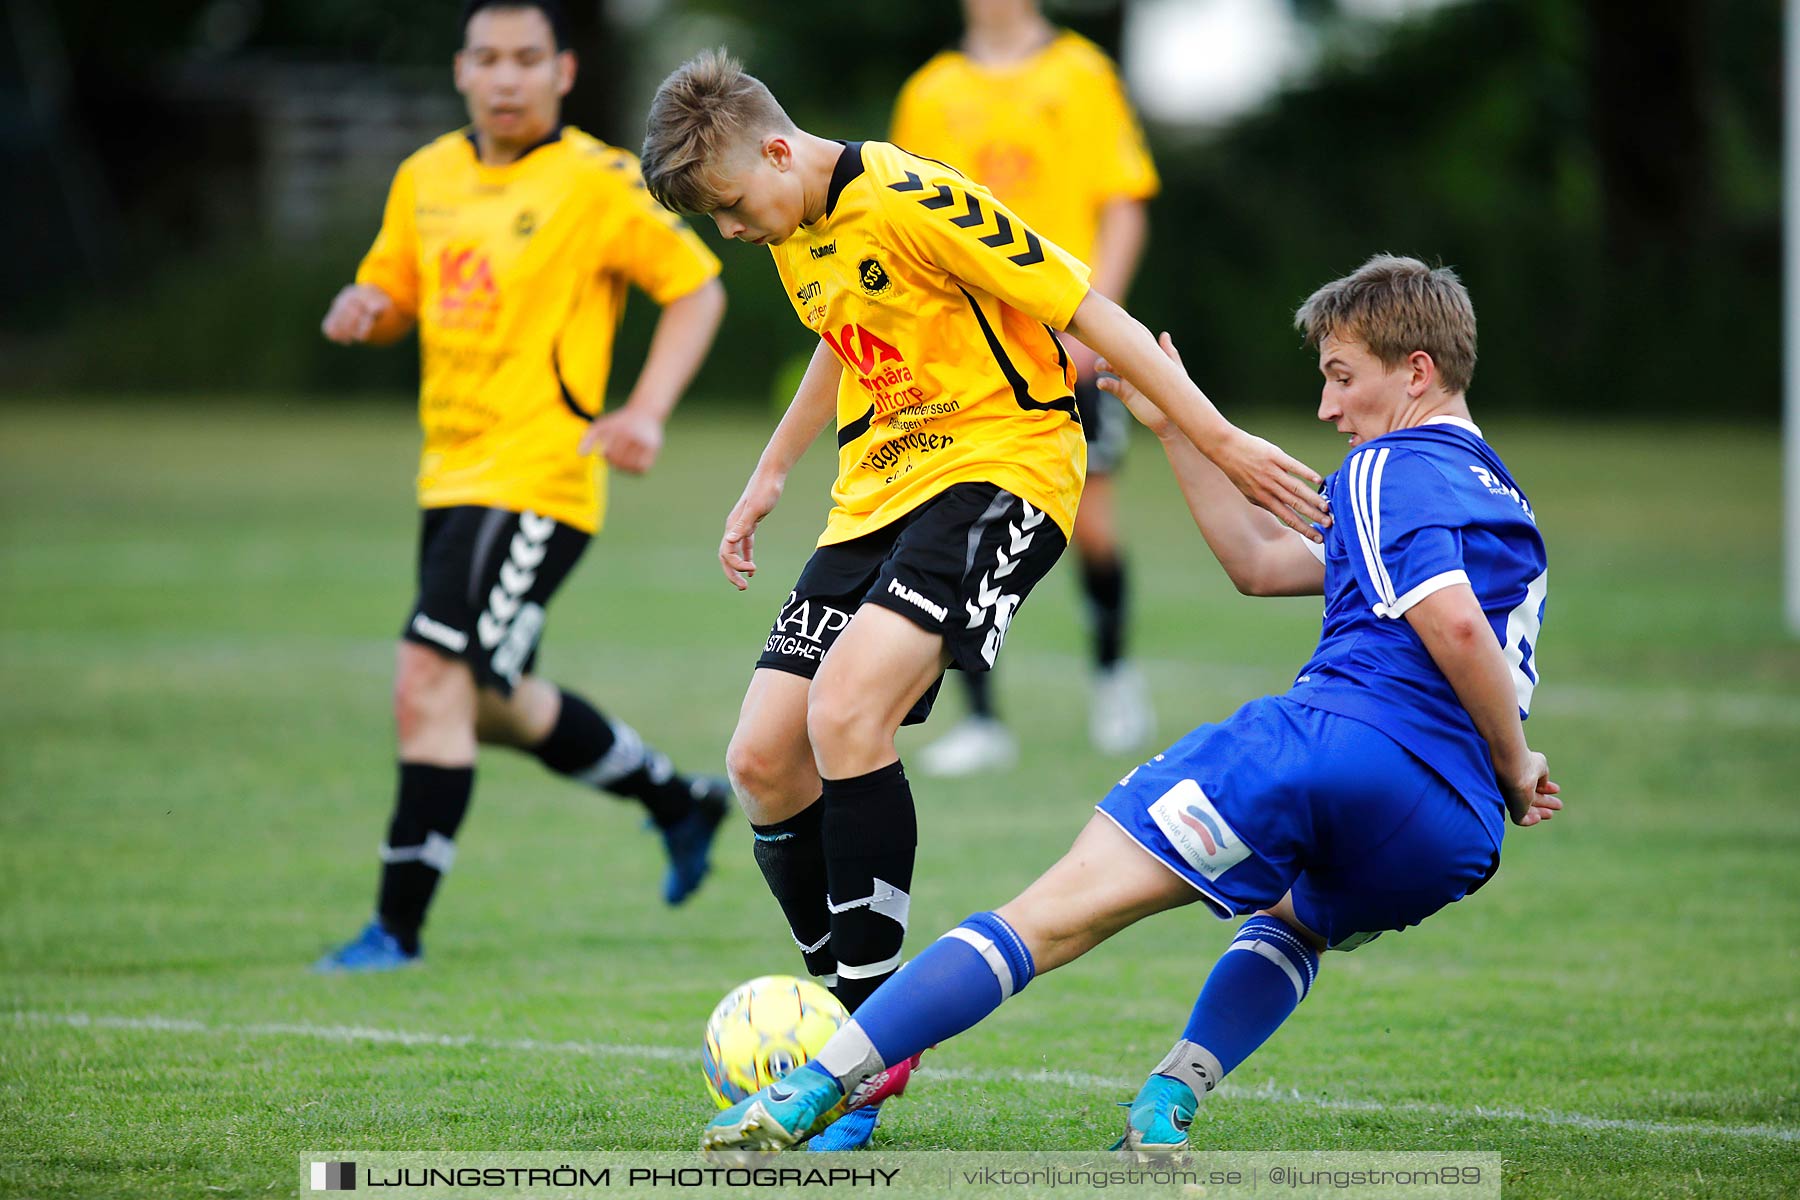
column 197, row 608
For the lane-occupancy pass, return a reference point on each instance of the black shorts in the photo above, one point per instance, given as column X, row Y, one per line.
column 485, row 575
column 959, row 565
column 1106, row 423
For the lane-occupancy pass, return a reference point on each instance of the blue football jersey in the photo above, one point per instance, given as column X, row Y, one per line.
column 1415, row 511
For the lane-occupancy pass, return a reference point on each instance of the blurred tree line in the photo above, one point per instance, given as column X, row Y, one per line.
column 1605, row 176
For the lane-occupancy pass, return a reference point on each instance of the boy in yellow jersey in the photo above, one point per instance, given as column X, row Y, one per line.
column 1039, row 116
column 511, row 246
column 959, row 471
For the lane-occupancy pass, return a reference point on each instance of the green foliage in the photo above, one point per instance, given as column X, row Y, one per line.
column 1497, row 136
column 1468, row 140
column 196, row 616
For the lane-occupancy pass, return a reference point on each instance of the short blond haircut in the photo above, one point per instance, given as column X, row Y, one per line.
column 1395, row 306
column 706, row 108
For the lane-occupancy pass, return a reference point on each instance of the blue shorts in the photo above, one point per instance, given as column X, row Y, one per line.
column 1280, row 797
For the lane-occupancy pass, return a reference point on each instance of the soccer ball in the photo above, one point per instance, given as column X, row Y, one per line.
column 762, row 1030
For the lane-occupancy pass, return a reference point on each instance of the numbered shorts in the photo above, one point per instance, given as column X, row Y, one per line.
column 1106, row 423
column 959, row 565
column 485, row 577
column 1282, row 797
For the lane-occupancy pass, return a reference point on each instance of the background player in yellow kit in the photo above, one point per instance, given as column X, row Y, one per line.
column 511, row 246
column 1039, row 116
column 959, row 470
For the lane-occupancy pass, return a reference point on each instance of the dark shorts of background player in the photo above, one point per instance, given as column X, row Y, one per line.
column 485, row 577
column 959, row 565
column 1106, row 423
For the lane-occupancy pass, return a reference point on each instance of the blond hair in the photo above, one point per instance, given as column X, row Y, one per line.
column 707, row 107
column 1396, row 306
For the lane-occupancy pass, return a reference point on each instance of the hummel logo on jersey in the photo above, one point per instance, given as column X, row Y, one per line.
column 943, row 198
column 913, row 598
column 825, row 251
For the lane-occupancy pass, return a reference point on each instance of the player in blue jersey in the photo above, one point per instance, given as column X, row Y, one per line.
column 1370, row 795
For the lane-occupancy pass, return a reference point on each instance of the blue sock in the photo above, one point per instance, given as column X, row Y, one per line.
column 1256, row 984
column 955, row 983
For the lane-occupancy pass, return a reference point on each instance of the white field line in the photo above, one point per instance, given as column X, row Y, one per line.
column 1074, row 1080
column 1714, row 707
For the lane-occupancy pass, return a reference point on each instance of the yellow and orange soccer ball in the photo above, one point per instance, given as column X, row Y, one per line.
column 762, row 1030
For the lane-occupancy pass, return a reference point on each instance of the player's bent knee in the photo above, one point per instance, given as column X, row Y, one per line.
column 1283, row 910
column 426, row 685
column 836, row 721
column 769, row 786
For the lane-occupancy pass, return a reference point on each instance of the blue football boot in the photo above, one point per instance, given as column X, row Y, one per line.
column 374, row 949
column 851, row 1131
column 689, row 841
column 790, row 1110
column 1159, row 1117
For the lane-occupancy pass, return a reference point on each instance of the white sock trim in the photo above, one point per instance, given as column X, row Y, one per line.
column 624, row 756
column 990, row 954
column 818, row 945
column 846, row 971
column 437, row 852
column 883, row 899
column 1279, row 959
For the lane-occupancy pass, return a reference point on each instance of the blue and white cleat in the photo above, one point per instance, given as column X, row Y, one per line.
column 374, row 949
column 1159, row 1117
column 789, row 1110
column 851, row 1131
column 689, row 841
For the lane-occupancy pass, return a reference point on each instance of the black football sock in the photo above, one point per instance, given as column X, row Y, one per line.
column 979, row 687
column 589, row 746
column 871, row 835
column 1103, row 585
column 421, row 844
column 791, row 856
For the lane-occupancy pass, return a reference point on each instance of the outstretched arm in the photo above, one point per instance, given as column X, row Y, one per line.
column 1262, row 471
column 813, row 408
column 1462, row 644
column 632, row 436
column 1262, row 557
column 1118, row 245
column 362, row 313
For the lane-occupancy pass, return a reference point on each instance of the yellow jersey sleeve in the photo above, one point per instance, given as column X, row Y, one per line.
column 654, row 248
column 392, row 263
column 1120, row 159
column 956, row 225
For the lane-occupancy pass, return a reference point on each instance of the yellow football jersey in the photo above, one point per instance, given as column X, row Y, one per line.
column 517, row 275
column 940, row 303
column 1052, row 136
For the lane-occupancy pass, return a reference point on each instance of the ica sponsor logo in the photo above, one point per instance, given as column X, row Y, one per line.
column 880, row 368
column 468, row 297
